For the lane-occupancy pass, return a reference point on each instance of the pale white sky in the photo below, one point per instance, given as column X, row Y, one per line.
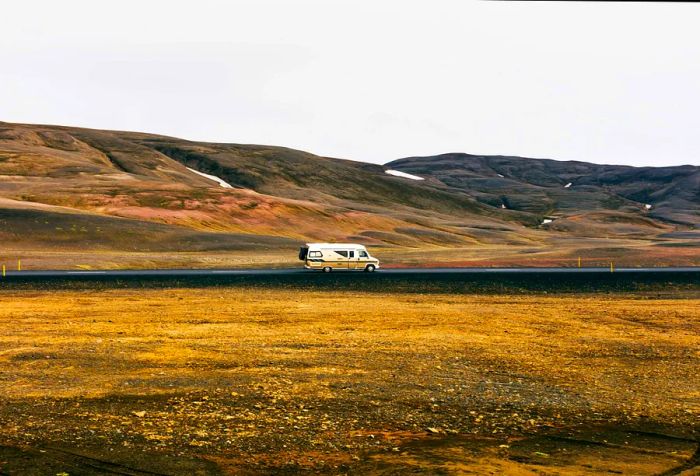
column 366, row 80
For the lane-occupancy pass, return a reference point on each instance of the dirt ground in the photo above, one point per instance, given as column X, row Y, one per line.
column 244, row 380
column 560, row 252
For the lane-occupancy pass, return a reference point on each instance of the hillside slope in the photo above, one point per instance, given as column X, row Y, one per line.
column 540, row 186
column 277, row 191
column 65, row 188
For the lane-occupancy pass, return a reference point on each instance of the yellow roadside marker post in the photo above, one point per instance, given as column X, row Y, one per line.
column 612, row 268
column 579, row 261
column 3, row 270
column 19, row 264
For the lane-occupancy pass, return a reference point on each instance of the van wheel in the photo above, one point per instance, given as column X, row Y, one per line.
column 369, row 268
column 327, row 269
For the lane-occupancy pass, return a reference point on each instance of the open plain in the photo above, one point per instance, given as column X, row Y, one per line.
column 243, row 379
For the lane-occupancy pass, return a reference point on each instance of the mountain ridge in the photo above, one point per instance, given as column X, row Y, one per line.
column 287, row 195
column 643, row 185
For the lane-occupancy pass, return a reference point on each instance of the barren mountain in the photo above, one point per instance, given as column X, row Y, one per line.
column 71, row 189
column 670, row 194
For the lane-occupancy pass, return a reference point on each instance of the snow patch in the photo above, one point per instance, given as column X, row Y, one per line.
column 647, row 206
column 503, row 205
column 398, row 173
column 568, row 185
column 500, row 175
column 211, row 177
column 547, row 220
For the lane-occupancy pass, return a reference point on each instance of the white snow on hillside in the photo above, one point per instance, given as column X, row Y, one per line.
column 211, row 177
column 398, row 173
column 568, row 185
column 647, row 206
column 547, row 220
column 500, row 175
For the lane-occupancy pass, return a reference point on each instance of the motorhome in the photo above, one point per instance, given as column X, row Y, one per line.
column 329, row 257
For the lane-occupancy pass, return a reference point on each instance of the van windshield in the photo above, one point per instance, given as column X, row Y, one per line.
column 303, row 252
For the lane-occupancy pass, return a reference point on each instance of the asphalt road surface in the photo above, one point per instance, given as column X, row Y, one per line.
column 414, row 280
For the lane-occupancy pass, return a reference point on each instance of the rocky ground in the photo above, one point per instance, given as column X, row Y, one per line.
column 245, row 380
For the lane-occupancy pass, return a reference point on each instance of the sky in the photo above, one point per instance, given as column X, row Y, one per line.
column 367, row 80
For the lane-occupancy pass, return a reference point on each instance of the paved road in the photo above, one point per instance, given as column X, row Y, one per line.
column 418, row 280
column 297, row 271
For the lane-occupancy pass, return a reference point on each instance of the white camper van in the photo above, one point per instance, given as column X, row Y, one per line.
column 329, row 257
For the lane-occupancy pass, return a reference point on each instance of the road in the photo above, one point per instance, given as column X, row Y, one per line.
column 405, row 280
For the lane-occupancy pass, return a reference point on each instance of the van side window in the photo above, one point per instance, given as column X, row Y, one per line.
column 363, row 254
column 352, row 254
column 342, row 253
column 315, row 254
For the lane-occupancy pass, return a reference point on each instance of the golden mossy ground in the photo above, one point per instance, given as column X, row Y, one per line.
column 249, row 379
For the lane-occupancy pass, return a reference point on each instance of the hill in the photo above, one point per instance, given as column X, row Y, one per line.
column 66, row 190
column 540, row 186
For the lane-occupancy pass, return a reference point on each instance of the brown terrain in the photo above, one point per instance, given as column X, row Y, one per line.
column 576, row 373
column 241, row 380
column 81, row 198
